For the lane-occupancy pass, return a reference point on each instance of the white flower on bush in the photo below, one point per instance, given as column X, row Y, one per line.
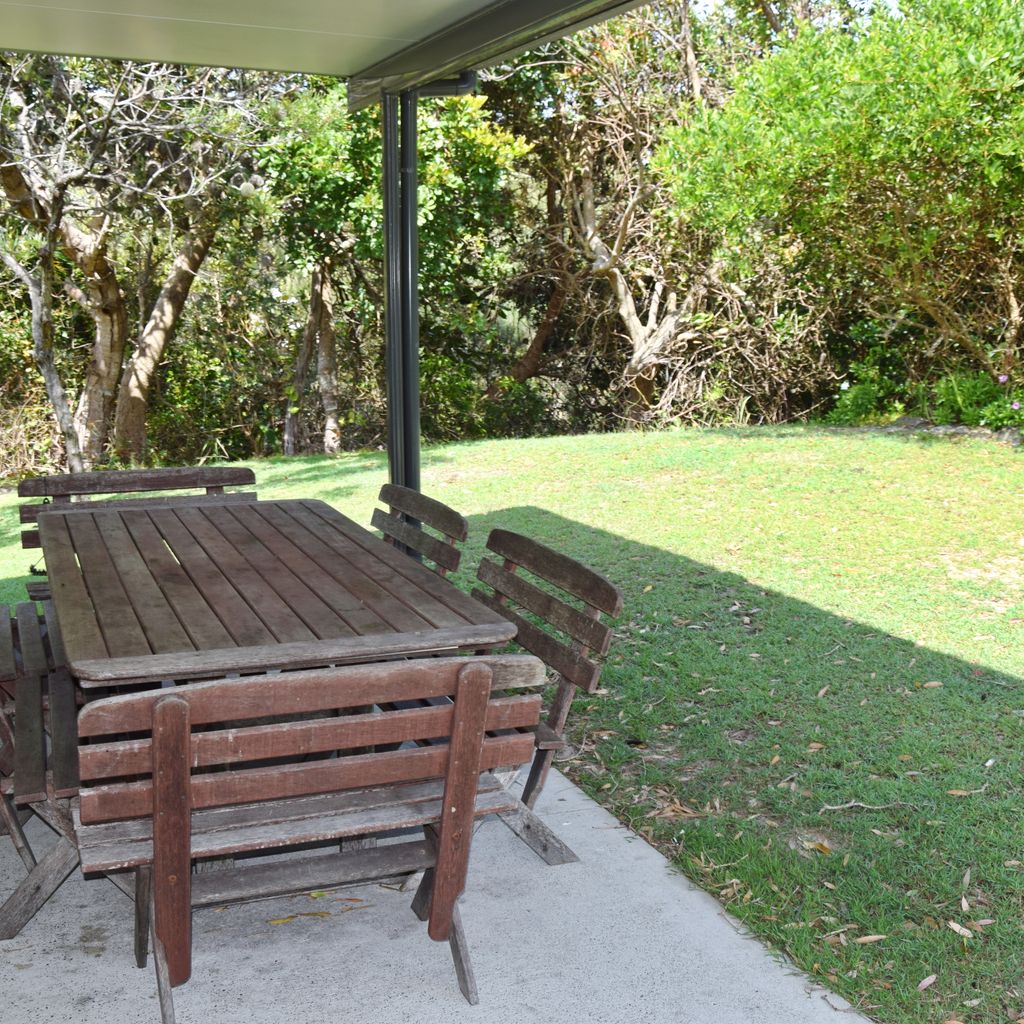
column 845, row 386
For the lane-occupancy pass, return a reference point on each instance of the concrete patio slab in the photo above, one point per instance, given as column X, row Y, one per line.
column 618, row 937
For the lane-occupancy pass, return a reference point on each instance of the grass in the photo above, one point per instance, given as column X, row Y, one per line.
column 794, row 599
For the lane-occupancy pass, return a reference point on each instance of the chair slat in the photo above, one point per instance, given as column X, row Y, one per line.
column 260, row 742
column 30, row 742
column 127, row 844
column 63, row 741
column 558, row 569
column 443, row 554
column 590, row 632
column 135, row 799
column 30, row 513
column 7, row 666
column 305, row 691
column 576, row 668
column 124, row 481
column 427, row 510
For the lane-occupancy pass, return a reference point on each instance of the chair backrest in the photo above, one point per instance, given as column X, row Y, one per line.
column 63, row 488
column 405, row 505
column 588, row 638
column 168, row 771
column 288, row 716
column 571, row 637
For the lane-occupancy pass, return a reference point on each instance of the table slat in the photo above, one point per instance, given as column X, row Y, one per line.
column 272, row 609
column 385, row 612
column 318, row 616
column 191, row 608
column 161, row 625
column 399, row 597
column 121, row 627
column 414, row 572
column 244, row 625
column 78, row 625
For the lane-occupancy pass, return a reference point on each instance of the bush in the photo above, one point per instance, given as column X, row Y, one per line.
column 964, row 398
column 859, row 403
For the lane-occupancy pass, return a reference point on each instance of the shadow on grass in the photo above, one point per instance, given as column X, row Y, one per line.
column 812, row 771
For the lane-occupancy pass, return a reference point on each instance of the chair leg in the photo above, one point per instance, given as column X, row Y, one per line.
column 537, row 777
column 12, row 821
column 143, row 903
column 163, row 977
column 538, row 837
column 460, row 955
column 421, row 901
column 37, row 887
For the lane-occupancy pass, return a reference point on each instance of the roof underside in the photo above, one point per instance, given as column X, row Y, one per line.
column 379, row 44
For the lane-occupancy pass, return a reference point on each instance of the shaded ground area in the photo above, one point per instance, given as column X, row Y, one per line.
column 617, row 937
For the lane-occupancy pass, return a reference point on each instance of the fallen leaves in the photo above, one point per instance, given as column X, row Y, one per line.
column 927, row 982
column 866, row 940
column 963, row 932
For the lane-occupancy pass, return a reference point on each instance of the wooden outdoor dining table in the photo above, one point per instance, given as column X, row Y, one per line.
column 200, row 589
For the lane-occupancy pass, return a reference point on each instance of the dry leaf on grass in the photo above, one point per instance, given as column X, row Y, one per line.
column 927, row 982
column 959, row 929
column 864, row 940
column 931, row 686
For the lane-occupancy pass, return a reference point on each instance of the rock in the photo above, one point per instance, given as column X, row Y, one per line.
column 1009, row 435
column 910, row 422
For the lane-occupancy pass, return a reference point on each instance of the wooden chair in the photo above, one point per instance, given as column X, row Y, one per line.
column 568, row 639
column 41, row 773
column 194, row 783
column 409, row 508
column 63, row 488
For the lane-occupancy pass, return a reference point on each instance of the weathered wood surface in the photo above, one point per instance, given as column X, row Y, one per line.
column 190, row 814
column 187, row 591
column 465, row 760
column 573, row 660
column 446, row 555
column 221, row 832
column 172, row 847
column 424, row 509
column 37, row 887
column 564, row 572
column 262, row 881
column 29, row 514
column 126, row 481
column 7, row 667
column 30, row 739
column 63, row 739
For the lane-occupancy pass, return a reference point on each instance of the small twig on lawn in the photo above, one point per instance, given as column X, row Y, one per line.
column 865, row 807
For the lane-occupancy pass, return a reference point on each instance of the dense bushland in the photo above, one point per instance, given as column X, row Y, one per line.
column 753, row 212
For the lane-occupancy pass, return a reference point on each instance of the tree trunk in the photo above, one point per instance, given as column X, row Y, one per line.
column 40, row 290
column 692, row 66
column 326, row 366
column 293, row 414
column 137, row 379
column 528, row 364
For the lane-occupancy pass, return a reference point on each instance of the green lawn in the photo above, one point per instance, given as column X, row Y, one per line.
column 815, row 621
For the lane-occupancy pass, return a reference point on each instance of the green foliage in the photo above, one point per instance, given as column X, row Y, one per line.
column 885, row 160
column 856, row 404
column 963, row 398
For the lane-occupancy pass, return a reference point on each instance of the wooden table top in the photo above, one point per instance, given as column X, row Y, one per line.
column 204, row 589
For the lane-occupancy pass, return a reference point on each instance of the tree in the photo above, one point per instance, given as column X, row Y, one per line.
column 324, row 170
column 885, row 166
column 90, row 151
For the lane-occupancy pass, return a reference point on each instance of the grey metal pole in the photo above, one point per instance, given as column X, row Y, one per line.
column 393, row 292
column 410, row 293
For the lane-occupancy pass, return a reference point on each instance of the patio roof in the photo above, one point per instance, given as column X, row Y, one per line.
column 393, row 45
